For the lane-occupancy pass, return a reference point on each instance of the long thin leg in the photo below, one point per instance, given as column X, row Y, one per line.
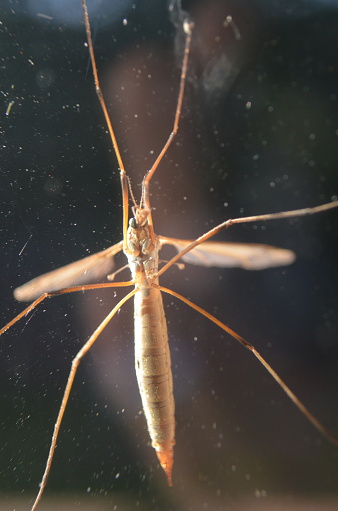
column 75, row 363
column 67, row 290
column 98, row 87
column 125, row 196
column 257, row 218
column 145, row 201
column 188, row 30
column 315, row 422
column 108, row 121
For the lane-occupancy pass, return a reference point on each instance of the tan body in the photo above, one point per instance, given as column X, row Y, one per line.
column 153, row 372
column 152, row 355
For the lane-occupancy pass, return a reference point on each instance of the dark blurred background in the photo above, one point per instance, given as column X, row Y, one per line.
column 258, row 134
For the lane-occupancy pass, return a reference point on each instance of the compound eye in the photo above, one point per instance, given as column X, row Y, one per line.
column 133, row 223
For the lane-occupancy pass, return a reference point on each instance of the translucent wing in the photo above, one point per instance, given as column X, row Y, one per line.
column 249, row 256
column 84, row 271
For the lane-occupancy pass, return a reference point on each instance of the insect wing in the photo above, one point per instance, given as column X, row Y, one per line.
column 84, row 271
column 248, row 256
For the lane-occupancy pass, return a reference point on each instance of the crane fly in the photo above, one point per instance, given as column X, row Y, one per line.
column 141, row 246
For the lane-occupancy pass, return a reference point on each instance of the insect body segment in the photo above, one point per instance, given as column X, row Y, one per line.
column 153, row 372
column 152, row 355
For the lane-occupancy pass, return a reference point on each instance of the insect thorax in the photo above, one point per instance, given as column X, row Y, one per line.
column 142, row 254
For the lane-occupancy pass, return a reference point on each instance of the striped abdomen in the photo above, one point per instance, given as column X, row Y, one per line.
column 153, row 371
